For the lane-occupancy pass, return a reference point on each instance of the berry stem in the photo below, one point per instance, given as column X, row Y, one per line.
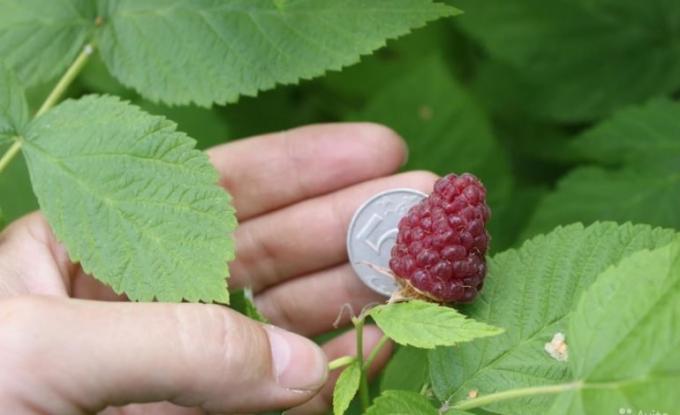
column 516, row 393
column 363, row 382
column 341, row 362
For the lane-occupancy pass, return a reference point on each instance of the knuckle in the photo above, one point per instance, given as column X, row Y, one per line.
column 282, row 309
column 221, row 339
column 256, row 255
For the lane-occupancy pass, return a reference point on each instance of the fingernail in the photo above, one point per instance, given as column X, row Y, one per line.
column 298, row 362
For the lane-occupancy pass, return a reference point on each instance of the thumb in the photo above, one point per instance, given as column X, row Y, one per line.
column 84, row 356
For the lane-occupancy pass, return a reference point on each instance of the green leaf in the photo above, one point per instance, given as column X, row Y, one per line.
column 14, row 181
column 636, row 133
column 208, row 126
column 14, row 115
column 406, row 370
column 39, row 38
column 624, row 337
column 95, row 78
column 561, row 50
column 13, row 107
column 401, row 403
column 428, row 325
column 647, row 193
column 208, row 51
column 242, row 301
column 529, row 292
column 375, row 72
column 645, row 188
column 346, row 387
column 132, row 200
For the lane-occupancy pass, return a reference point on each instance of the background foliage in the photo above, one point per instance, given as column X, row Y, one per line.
column 543, row 102
column 567, row 109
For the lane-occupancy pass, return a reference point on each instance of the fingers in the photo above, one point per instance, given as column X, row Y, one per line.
column 345, row 345
column 33, row 262
column 274, row 170
column 28, row 244
column 308, row 236
column 74, row 356
column 331, row 296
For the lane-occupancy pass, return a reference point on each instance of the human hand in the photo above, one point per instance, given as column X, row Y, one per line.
column 69, row 345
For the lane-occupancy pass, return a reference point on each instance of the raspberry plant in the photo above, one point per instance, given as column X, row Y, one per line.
column 567, row 112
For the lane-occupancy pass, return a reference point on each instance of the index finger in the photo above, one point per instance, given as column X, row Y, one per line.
column 271, row 171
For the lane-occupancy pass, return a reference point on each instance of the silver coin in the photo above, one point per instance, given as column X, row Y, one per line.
column 372, row 234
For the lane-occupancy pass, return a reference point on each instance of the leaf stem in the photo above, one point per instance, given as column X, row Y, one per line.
column 51, row 99
column 66, row 79
column 363, row 382
column 376, row 349
column 340, row 362
column 516, row 393
column 9, row 154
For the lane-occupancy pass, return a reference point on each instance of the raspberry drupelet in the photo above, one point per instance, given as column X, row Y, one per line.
column 442, row 242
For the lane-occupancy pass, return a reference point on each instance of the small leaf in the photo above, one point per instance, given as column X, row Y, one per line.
column 346, row 387
column 242, row 301
column 40, row 38
column 530, row 292
column 625, row 336
column 428, row 325
column 13, row 107
column 132, row 200
column 401, row 403
column 205, row 51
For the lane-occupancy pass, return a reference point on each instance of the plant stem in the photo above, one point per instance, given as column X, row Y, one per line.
column 9, row 154
column 340, row 362
column 51, row 99
column 66, row 80
column 363, row 382
column 371, row 357
column 516, row 393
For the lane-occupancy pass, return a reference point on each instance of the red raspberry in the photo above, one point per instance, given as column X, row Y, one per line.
column 442, row 242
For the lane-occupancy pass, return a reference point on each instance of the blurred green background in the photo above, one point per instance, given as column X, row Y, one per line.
column 564, row 108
